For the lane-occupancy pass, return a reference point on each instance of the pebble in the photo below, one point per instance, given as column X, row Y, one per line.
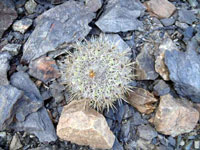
column 4, row 67
column 22, row 25
column 188, row 34
column 15, row 143
column 160, row 88
column 181, row 25
column 13, row 49
column 30, row 6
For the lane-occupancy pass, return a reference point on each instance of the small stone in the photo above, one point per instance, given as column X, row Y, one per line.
column 9, row 96
column 2, row 134
column 84, row 126
column 175, row 116
column 121, row 16
column 145, row 65
column 161, row 8
column 188, row 34
column 22, row 25
column 147, row 132
column 4, row 67
column 15, row 143
column 168, row 21
column 44, row 69
column 57, row 90
column 142, row 100
column 7, row 15
column 93, row 5
column 30, row 6
column 197, row 144
column 13, row 49
column 186, row 16
column 193, row 3
column 181, row 25
column 161, row 88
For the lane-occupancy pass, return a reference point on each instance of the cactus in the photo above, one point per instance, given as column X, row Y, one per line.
column 98, row 72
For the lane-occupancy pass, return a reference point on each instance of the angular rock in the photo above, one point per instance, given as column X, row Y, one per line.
column 37, row 123
column 145, row 65
column 44, row 69
column 4, row 67
column 9, row 96
column 31, row 101
column 84, row 126
column 160, row 8
column 22, row 25
column 15, row 143
column 57, row 91
column 186, row 16
column 7, row 15
column 168, row 21
column 65, row 23
column 184, row 68
column 175, row 116
column 13, row 49
column 121, row 16
column 30, row 6
column 161, row 88
column 93, row 5
column 147, row 132
column 142, row 100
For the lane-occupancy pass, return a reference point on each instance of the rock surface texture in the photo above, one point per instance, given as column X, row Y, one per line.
column 84, row 126
column 7, row 15
column 121, row 16
column 175, row 116
column 62, row 24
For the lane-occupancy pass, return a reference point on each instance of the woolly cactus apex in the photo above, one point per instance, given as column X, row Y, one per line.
column 98, row 71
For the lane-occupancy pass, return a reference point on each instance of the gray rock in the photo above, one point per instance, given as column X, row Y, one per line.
column 188, row 34
column 147, row 132
column 145, row 65
column 13, row 49
column 161, row 88
column 31, row 101
column 30, row 6
column 22, row 25
column 121, row 16
column 168, row 21
column 15, row 143
column 65, row 23
column 7, row 15
column 9, row 96
column 184, row 68
column 38, row 123
column 4, row 67
column 181, row 25
column 93, row 5
column 186, row 16
column 125, row 131
column 56, row 90
column 193, row 3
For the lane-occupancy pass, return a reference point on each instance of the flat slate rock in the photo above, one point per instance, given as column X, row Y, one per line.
column 186, row 16
column 4, row 67
column 37, row 123
column 9, row 96
column 65, row 23
column 31, row 101
column 121, row 16
column 184, row 68
column 7, row 15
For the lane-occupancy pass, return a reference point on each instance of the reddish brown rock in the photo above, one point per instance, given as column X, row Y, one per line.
column 160, row 8
column 44, row 69
column 84, row 126
column 142, row 100
column 175, row 116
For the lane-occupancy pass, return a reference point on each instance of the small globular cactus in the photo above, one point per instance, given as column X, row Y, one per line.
column 98, row 72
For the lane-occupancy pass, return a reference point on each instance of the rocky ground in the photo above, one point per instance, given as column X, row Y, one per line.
column 162, row 111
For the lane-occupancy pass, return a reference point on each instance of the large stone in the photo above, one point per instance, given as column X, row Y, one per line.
column 7, row 15
column 31, row 101
column 161, row 8
column 184, row 68
column 37, row 123
column 84, row 126
column 65, row 23
column 44, row 69
column 186, row 16
column 9, row 96
column 142, row 100
column 145, row 65
column 175, row 116
column 4, row 67
column 121, row 16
